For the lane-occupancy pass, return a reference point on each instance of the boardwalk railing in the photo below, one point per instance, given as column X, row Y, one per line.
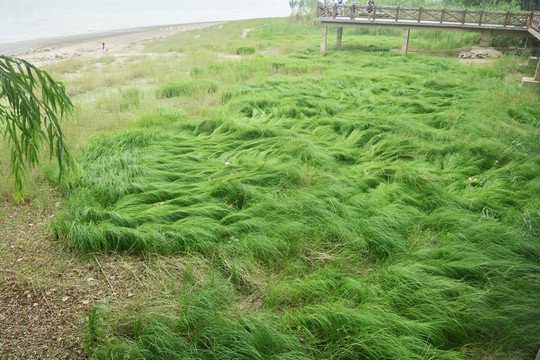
column 430, row 15
column 534, row 23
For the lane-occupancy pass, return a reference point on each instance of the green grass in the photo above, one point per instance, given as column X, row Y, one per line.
column 349, row 205
column 187, row 88
column 245, row 50
column 378, row 206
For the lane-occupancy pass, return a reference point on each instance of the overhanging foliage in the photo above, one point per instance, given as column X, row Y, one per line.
column 35, row 105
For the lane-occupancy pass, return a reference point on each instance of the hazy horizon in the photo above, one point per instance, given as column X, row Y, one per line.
column 36, row 19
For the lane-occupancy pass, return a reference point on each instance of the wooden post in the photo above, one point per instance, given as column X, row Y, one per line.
column 318, row 7
column 419, row 15
column 323, row 38
column 397, row 12
column 353, row 9
column 374, row 12
column 335, row 11
column 442, row 15
column 339, row 36
column 506, row 18
column 463, row 16
column 484, row 40
column 405, row 44
column 537, row 78
column 529, row 22
column 481, row 17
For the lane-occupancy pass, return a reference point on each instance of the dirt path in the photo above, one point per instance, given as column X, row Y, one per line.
column 246, row 31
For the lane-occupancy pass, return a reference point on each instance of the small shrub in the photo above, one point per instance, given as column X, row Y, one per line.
column 245, row 50
column 122, row 100
column 196, row 71
column 178, row 50
column 186, row 88
column 130, row 98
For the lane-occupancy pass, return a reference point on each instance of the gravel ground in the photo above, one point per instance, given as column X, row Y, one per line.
column 46, row 290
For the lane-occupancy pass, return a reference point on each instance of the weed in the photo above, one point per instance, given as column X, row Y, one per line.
column 245, row 50
column 187, row 88
column 95, row 330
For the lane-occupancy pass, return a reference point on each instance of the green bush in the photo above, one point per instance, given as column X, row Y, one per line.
column 245, row 50
column 186, row 88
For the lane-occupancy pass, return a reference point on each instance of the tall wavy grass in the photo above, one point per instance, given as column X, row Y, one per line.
column 351, row 205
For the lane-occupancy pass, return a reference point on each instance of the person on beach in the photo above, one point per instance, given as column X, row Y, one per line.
column 103, row 48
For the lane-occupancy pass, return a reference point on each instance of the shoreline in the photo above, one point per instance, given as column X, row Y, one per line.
column 118, row 42
column 23, row 47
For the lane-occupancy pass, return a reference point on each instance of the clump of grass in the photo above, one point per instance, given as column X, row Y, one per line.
column 65, row 66
column 178, row 50
column 187, row 88
column 121, row 100
column 105, row 60
column 97, row 317
column 245, row 50
column 200, row 330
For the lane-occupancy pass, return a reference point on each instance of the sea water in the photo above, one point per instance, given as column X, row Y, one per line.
column 37, row 19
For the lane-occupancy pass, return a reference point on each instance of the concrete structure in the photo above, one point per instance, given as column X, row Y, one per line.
column 534, row 80
column 405, row 43
column 484, row 40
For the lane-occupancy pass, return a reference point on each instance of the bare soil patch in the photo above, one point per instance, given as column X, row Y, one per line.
column 246, row 31
column 47, row 290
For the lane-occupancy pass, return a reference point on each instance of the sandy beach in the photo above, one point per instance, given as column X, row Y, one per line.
column 118, row 42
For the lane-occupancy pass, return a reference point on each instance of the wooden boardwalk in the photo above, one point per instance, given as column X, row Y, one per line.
column 421, row 18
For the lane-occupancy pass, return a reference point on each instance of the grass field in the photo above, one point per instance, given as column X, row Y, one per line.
column 357, row 204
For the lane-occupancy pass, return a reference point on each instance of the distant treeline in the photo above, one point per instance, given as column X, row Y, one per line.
column 303, row 10
column 525, row 5
column 530, row 5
